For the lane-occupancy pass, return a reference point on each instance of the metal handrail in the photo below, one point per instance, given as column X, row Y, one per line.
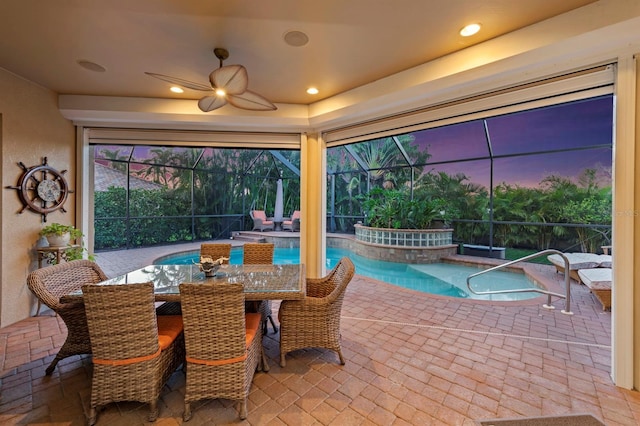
column 548, row 305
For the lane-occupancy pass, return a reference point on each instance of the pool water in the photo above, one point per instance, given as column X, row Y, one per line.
column 444, row 279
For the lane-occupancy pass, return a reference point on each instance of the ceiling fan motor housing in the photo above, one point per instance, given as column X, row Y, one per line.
column 221, row 54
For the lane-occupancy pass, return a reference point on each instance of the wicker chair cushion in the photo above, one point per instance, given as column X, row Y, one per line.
column 126, row 361
column 252, row 322
column 260, row 214
column 294, row 216
column 169, row 328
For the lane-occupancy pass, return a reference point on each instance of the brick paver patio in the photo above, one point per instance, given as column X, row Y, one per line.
column 412, row 359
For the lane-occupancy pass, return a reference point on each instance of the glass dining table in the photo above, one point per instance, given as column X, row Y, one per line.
column 261, row 282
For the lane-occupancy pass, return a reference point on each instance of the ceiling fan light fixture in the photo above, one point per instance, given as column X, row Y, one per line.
column 209, row 103
column 233, row 79
column 228, row 84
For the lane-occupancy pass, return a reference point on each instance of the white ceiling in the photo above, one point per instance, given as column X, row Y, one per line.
column 351, row 42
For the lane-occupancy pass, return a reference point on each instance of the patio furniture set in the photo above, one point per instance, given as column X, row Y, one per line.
column 263, row 223
column 213, row 326
column 590, row 269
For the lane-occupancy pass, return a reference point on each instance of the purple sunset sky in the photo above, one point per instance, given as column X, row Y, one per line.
column 574, row 126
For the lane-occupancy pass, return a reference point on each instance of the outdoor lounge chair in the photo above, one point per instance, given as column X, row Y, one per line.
column 314, row 322
column 599, row 282
column 579, row 261
column 293, row 223
column 261, row 222
column 50, row 284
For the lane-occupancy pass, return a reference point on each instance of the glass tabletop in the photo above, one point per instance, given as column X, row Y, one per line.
column 261, row 282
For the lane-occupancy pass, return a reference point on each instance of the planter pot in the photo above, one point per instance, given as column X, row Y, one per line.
column 59, row 240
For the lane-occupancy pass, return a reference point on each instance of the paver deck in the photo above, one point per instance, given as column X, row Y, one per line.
column 411, row 359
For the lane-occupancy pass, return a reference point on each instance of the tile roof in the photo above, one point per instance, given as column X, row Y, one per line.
column 106, row 177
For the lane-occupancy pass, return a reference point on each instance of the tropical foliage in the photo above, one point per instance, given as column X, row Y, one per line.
column 392, row 208
column 554, row 214
column 197, row 197
column 412, row 180
column 189, row 193
column 361, row 167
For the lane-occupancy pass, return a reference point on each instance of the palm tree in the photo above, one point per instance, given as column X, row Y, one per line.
column 117, row 161
column 156, row 168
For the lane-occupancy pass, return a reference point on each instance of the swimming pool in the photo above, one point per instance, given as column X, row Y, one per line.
column 445, row 279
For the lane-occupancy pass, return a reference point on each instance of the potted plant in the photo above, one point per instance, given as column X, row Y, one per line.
column 59, row 235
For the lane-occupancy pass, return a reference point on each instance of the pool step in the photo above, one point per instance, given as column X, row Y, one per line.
column 253, row 238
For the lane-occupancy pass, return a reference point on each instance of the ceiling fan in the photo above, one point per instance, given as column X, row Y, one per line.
column 229, row 85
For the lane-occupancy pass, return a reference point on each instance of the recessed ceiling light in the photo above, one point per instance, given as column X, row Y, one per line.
column 296, row 38
column 176, row 89
column 312, row 91
column 470, row 30
column 91, row 66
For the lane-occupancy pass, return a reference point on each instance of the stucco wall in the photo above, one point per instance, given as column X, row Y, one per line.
column 31, row 127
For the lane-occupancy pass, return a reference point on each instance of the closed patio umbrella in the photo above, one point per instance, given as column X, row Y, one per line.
column 279, row 208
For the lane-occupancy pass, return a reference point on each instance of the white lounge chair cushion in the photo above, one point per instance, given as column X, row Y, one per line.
column 605, row 261
column 596, row 278
column 579, row 261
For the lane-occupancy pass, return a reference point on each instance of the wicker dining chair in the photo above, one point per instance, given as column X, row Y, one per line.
column 134, row 352
column 314, row 322
column 261, row 254
column 223, row 344
column 216, row 250
column 213, row 250
column 49, row 284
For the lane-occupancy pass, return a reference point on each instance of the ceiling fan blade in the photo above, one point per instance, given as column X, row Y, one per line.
column 232, row 78
column 252, row 101
column 209, row 103
column 180, row 82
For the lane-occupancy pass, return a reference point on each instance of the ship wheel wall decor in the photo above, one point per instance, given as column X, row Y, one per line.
column 42, row 189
